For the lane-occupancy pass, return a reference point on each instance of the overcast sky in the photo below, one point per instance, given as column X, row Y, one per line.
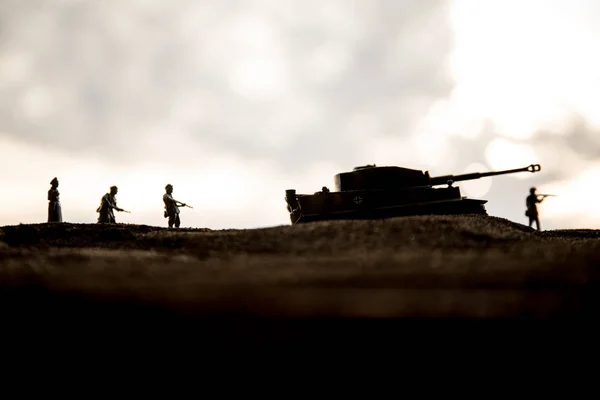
column 233, row 102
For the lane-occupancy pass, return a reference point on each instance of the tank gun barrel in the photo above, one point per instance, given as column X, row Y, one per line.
column 449, row 179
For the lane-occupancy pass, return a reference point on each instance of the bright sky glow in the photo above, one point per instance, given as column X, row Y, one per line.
column 220, row 190
column 207, row 100
column 524, row 64
column 504, row 154
column 575, row 204
column 477, row 188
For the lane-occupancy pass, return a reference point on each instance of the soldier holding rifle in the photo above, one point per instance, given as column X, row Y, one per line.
column 532, row 212
column 172, row 207
column 107, row 205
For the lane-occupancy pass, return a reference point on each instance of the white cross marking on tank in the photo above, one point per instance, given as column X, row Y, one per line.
column 358, row 199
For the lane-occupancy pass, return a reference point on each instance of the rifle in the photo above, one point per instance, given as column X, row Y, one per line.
column 547, row 195
column 128, row 212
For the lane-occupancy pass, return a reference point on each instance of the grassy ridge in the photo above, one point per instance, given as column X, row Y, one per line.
column 474, row 266
column 423, row 292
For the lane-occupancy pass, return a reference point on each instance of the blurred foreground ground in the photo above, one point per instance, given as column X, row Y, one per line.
column 343, row 283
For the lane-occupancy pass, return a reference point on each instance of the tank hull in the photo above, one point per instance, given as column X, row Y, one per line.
column 381, row 204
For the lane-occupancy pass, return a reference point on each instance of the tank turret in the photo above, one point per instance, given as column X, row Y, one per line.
column 371, row 177
column 381, row 192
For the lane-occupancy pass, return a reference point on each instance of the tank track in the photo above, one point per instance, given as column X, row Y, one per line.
column 464, row 206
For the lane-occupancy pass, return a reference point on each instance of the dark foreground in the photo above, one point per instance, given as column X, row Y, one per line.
column 414, row 286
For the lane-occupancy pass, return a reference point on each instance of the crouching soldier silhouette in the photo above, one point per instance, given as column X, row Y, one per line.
column 107, row 205
column 532, row 212
column 54, row 208
column 172, row 207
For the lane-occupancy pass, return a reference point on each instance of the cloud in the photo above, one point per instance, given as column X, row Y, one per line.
column 569, row 150
column 265, row 95
column 281, row 80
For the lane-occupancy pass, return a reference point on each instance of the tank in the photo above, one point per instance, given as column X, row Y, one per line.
column 372, row 192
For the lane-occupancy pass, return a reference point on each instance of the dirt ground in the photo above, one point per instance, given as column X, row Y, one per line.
column 317, row 282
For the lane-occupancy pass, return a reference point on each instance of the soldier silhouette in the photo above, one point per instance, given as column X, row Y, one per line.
column 54, row 208
column 172, row 207
column 532, row 212
column 107, row 205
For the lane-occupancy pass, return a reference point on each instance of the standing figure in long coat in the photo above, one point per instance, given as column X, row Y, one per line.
column 54, row 208
column 107, row 205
